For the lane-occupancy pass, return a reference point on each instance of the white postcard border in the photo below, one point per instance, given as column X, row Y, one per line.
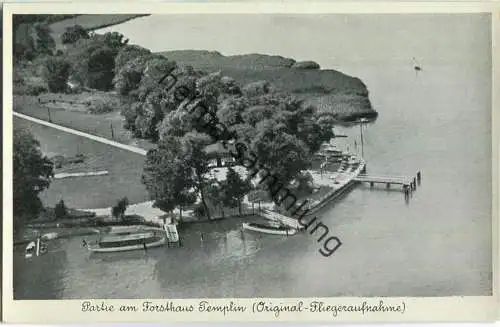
column 439, row 309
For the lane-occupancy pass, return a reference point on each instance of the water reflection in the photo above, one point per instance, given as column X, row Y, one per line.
column 40, row 277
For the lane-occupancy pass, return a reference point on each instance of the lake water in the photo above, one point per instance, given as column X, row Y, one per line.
column 437, row 244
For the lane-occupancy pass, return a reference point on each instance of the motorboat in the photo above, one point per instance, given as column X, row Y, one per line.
column 127, row 238
column 269, row 229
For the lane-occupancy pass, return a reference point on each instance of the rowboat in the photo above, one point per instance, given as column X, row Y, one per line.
column 127, row 238
column 269, row 229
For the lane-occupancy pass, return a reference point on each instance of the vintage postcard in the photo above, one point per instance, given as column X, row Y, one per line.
column 302, row 162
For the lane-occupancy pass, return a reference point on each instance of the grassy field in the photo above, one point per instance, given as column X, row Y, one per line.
column 100, row 125
column 124, row 178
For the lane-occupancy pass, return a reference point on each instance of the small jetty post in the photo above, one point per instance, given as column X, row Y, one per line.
column 50, row 118
column 38, row 246
column 388, row 185
column 419, row 177
column 362, row 120
column 112, row 131
column 415, row 182
column 406, row 190
column 372, row 184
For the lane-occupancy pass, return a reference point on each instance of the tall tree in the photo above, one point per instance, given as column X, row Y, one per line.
column 118, row 210
column 73, row 34
column 94, row 59
column 168, row 180
column 215, row 192
column 32, row 173
column 196, row 158
column 45, row 44
column 100, row 68
column 56, row 71
column 234, row 189
column 60, row 210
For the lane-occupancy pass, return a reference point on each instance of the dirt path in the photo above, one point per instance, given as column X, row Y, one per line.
column 83, row 134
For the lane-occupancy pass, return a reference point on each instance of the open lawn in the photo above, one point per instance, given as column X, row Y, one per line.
column 124, row 178
column 100, row 125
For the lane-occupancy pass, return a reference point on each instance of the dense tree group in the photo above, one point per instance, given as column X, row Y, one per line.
column 93, row 59
column 56, row 71
column 275, row 127
column 32, row 173
column 178, row 107
column 73, row 34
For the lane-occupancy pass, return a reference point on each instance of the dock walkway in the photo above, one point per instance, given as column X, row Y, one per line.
column 408, row 183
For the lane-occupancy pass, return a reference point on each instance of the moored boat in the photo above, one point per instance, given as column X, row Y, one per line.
column 127, row 238
column 35, row 248
column 269, row 229
column 30, row 250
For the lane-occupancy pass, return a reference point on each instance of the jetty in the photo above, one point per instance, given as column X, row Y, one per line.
column 408, row 183
column 340, row 181
column 287, row 221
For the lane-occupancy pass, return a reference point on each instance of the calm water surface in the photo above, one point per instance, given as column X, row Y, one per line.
column 437, row 244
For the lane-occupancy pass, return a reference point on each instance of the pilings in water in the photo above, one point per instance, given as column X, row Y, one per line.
column 409, row 184
column 408, row 189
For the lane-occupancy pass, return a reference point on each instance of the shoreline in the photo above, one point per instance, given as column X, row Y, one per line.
column 67, row 232
column 104, row 25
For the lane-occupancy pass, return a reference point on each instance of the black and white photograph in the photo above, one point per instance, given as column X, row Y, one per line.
column 259, row 155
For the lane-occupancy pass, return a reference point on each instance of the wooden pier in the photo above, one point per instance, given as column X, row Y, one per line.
column 408, row 183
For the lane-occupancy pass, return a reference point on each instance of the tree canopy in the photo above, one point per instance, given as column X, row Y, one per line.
column 73, row 34
column 118, row 210
column 32, row 173
column 276, row 127
column 56, row 71
column 93, row 59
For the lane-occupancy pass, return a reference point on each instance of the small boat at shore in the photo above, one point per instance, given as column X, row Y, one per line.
column 269, row 229
column 35, row 248
column 30, row 250
column 127, row 238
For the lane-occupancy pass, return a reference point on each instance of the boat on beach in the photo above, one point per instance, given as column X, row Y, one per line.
column 269, row 229
column 127, row 238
